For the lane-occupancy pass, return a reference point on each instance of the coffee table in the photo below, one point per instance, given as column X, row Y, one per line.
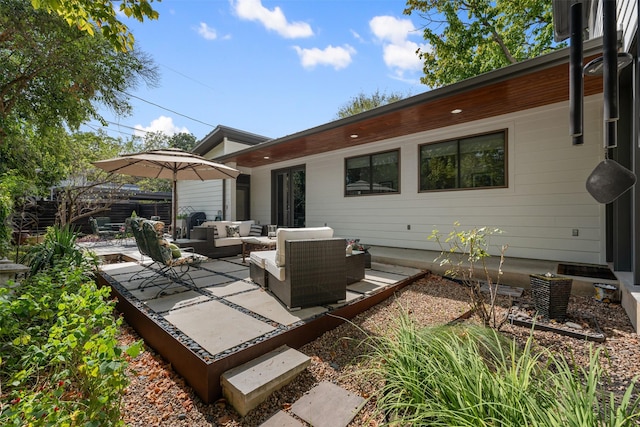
column 257, row 243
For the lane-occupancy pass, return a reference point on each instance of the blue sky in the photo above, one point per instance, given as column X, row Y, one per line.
column 272, row 68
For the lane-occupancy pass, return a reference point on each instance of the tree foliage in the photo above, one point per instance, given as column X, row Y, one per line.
column 56, row 76
column 91, row 15
column 470, row 37
column 157, row 141
column 87, row 190
column 363, row 102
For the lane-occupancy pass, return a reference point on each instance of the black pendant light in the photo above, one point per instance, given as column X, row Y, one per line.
column 610, row 180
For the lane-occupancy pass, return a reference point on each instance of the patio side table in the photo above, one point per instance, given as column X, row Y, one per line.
column 355, row 266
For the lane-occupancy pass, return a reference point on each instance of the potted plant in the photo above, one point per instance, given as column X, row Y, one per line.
column 357, row 246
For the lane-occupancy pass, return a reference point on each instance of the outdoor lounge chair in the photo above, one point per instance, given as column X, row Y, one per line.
column 175, row 268
column 104, row 235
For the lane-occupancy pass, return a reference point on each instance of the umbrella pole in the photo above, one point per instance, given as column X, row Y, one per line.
column 174, row 210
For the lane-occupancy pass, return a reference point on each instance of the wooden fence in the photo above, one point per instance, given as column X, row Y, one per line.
column 45, row 214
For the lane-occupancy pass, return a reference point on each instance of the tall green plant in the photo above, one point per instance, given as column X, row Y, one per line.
column 473, row 376
column 59, row 243
column 465, row 252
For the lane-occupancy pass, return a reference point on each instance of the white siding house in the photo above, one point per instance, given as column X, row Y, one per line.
column 544, row 203
column 218, row 197
column 543, row 206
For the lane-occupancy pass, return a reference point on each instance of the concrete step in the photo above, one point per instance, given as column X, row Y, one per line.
column 248, row 385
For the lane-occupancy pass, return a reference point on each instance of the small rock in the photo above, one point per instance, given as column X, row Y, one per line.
column 573, row 326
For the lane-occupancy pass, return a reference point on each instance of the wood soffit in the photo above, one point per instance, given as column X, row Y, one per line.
column 532, row 90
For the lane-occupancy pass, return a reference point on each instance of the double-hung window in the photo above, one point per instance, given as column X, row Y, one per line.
column 373, row 174
column 475, row 162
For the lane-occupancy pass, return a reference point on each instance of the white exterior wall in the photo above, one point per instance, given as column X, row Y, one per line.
column 200, row 196
column 545, row 200
column 627, row 18
column 206, row 196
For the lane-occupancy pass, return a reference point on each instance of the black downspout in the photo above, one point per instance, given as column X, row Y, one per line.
column 576, row 79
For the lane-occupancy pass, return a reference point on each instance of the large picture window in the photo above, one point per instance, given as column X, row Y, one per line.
column 473, row 162
column 372, row 174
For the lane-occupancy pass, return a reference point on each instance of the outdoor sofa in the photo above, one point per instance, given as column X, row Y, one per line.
column 307, row 267
column 217, row 239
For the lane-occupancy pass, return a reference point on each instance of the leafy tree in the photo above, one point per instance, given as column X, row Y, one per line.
column 362, row 102
column 91, row 15
column 87, row 190
column 469, row 37
column 160, row 140
column 56, row 76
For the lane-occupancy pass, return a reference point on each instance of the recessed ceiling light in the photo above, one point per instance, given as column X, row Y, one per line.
column 354, row 135
column 266, row 157
column 456, row 111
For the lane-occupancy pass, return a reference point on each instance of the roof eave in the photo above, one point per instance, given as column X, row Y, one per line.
column 591, row 47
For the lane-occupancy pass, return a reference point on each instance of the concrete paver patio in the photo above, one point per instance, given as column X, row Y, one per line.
column 222, row 312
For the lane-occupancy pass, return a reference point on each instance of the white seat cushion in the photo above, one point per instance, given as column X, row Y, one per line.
column 284, row 234
column 221, row 226
column 227, row 241
column 271, row 267
column 258, row 257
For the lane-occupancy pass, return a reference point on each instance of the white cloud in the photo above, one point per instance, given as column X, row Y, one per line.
column 161, row 124
column 390, row 29
column 356, row 35
column 399, row 53
column 336, row 57
column 402, row 56
column 273, row 20
column 207, row 32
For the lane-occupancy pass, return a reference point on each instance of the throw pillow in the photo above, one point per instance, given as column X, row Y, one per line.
column 159, row 227
column 256, row 230
column 175, row 251
column 233, row 231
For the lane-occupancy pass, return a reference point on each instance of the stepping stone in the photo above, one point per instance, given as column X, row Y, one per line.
column 328, row 405
column 281, row 419
column 248, row 385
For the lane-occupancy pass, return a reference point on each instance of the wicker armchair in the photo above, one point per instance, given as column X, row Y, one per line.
column 315, row 273
column 307, row 268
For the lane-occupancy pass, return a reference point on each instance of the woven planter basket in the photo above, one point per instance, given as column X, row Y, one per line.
column 551, row 295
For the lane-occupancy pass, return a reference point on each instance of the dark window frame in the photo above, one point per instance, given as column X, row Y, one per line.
column 371, row 156
column 459, row 173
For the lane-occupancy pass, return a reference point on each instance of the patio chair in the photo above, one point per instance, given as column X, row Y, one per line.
column 307, row 268
column 136, row 230
column 104, row 235
column 173, row 265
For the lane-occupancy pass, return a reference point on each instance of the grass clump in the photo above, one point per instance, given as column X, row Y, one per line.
column 473, row 376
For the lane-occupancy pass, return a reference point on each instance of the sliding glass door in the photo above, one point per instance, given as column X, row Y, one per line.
column 288, row 203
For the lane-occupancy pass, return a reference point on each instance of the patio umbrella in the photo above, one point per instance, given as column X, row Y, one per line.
column 168, row 163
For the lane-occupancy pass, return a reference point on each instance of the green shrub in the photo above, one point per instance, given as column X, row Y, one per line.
column 59, row 243
column 473, row 376
column 61, row 364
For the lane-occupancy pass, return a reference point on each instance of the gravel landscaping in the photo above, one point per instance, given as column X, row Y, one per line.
column 157, row 396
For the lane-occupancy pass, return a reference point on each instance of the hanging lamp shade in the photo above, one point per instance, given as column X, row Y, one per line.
column 609, row 180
